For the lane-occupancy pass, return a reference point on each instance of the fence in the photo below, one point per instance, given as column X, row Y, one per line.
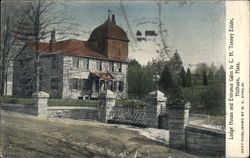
column 128, row 115
column 197, row 140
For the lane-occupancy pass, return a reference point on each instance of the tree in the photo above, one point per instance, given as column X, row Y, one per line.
column 43, row 16
column 221, row 73
column 211, row 71
column 12, row 19
column 204, row 78
column 189, row 78
column 170, row 86
column 183, row 77
column 139, row 78
column 213, row 99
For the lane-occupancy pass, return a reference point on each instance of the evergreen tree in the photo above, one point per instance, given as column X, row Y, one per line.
column 183, row 77
column 170, row 86
column 211, row 71
column 189, row 78
column 204, row 78
column 220, row 73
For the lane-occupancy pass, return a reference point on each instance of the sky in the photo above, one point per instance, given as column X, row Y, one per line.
column 195, row 29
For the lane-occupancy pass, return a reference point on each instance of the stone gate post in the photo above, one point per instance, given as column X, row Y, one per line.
column 108, row 99
column 155, row 100
column 40, row 102
column 178, row 119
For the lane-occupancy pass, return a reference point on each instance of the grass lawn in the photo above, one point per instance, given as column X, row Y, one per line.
column 25, row 136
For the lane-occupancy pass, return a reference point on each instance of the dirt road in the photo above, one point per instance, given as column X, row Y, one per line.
column 25, row 136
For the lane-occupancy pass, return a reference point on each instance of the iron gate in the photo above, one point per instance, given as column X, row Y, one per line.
column 128, row 115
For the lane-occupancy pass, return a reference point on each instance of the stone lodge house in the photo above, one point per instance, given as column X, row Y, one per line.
column 77, row 69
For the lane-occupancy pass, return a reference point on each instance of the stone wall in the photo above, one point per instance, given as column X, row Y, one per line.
column 76, row 113
column 194, row 139
column 20, row 108
column 70, row 72
column 204, row 141
column 51, row 68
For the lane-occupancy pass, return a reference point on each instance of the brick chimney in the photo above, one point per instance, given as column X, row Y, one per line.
column 53, row 36
column 52, row 40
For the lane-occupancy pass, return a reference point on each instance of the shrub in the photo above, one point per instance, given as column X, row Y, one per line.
column 15, row 100
column 73, row 102
column 130, row 103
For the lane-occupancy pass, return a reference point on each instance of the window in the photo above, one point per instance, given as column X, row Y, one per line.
column 54, row 61
column 110, row 85
column 111, row 66
column 79, row 84
column 84, row 84
column 119, row 67
column 115, row 86
column 99, row 65
column 73, row 83
column 54, row 83
column 75, row 62
column 120, row 86
column 85, row 64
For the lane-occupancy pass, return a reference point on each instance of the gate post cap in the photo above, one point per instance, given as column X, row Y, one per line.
column 180, row 105
column 157, row 94
column 107, row 94
column 40, row 94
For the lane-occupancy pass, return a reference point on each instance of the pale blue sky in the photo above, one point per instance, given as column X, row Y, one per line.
column 196, row 29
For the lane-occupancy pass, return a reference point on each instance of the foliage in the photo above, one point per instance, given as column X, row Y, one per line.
column 188, row 78
column 130, row 103
column 220, row 73
column 15, row 100
column 204, row 78
column 140, row 79
column 213, row 99
column 211, row 71
column 12, row 20
column 183, row 80
column 170, row 85
column 73, row 102
column 209, row 99
column 42, row 16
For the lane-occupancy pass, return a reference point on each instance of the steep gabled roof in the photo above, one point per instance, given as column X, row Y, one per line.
column 71, row 47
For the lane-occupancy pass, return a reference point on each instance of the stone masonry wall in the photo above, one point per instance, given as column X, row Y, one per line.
column 204, row 141
column 76, row 113
column 72, row 72
column 25, row 109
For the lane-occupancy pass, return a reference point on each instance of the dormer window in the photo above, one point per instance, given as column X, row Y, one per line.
column 98, row 65
column 111, row 66
column 85, row 63
column 119, row 67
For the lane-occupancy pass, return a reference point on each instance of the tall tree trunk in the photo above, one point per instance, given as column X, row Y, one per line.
column 37, row 73
column 3, row 78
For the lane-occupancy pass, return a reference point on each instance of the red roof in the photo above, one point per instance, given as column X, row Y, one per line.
column 71, row 47
column 103, row 75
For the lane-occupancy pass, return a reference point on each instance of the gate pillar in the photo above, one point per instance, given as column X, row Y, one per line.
column 108, row 99
column 178, row 119
column 155, row 100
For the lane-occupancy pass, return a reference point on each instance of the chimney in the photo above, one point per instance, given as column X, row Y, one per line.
column 53, row 36
column 52, row 40
column 113, row 19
